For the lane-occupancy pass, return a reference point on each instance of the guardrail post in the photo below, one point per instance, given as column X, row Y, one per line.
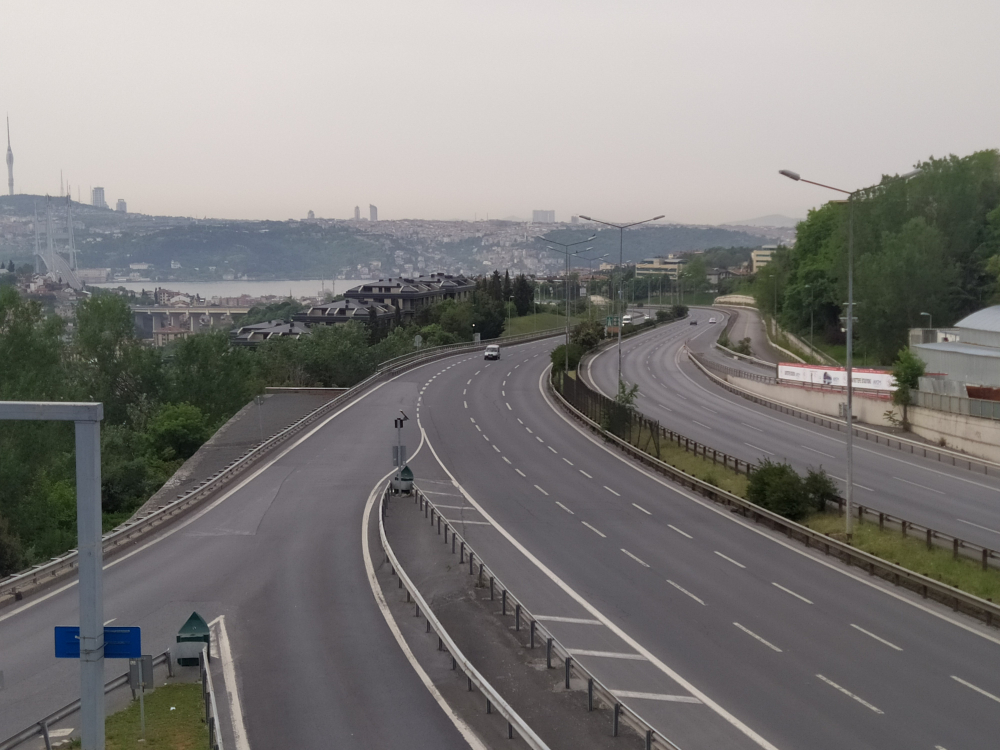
column 489, row 706
column 929, row 535
column 461, row 552
column 446, row 534
column 170, row 664
column 480, row 572
column 492, row 597
column 649, row 739
column 453, row 544
column 504, row 597
column 45, row 735
column 569, row 666
column 439, row 524
column 517, row 617
column 548, row 653
column 590, row 693
column 614, row 725
column 531, row 641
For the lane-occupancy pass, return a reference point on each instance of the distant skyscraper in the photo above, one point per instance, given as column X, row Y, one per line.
column 543, row 217
column 10, row 163
column 121, row 207
column 373, row 212
column 97, row 197
column 574, row 219
column 357, row 213
column 311, row 215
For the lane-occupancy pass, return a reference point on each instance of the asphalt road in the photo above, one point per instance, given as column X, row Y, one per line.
column 739, row 635
column 280, row 557
column 673, row 391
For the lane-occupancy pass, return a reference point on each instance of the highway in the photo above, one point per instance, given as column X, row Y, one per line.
column 724, row 635
column 673, row 391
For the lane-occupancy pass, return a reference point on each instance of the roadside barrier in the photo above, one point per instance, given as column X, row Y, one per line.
column 928, row 588
column 445, row 642
column 41, row 728
column 208, row 696
column 15, row 587
column 538, row 635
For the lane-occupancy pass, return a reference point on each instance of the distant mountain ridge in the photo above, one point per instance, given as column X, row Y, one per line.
column 771, row 220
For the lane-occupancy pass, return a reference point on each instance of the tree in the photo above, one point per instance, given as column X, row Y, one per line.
column 695, row 274
column 587, row 334
column 524, row 294
column 283, row 310
column 778, row 488
column 508, row 287
column 209, row 373
column 819, row 487
column 177, row 431
column 907, row 371
column 559, row 356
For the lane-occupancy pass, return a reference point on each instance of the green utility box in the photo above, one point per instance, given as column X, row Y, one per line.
column 403, row 485
column 193, row 636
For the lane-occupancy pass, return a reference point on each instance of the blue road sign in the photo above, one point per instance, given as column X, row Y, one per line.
column 119, row 643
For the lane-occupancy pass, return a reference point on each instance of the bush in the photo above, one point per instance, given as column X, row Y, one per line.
column 820, row 488
column 778, row 488
column 679, row 311
column 587, row 334
column 559, row 357
column 663, row 316
column 177, row 431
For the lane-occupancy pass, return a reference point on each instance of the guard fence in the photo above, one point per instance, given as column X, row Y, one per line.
column 928, row 588
column 16, row 586
column 972, row 407
column 538, row 635
column 211, row 707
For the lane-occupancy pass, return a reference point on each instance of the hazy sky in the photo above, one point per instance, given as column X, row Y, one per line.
column 435, row 109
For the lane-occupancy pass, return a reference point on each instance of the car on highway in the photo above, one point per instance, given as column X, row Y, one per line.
column 694, row 322
column 626, row 319
column 492, row 352
column 711, row 320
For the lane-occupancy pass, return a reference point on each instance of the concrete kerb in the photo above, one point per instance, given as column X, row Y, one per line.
column 928, row 588
column 15, row 587
column 524, row 618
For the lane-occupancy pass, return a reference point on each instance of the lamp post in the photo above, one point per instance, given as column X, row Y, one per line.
column 851, row 199
column 930, row 320
column 590, row 265
column 621, row 263
column 565, row 251
column 510, row 302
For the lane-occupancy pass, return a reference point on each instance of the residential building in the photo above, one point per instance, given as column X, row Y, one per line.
column 372, row 212
column 121, row 207
column 761, row 257
column 254, row 334
column 163, row 336
column 670, row 266
column 344, row 311
column 357, row 213
column 93, row 275
column 543, row 217
column 97, row 197
column 413, row 294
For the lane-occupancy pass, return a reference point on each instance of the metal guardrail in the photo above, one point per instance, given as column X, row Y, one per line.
column 211, row 708
column 464, row 346
column 745, row 357
column 523, row 618
column 41, row 728
column 735, row 371
column 972, row 407
column 952, row 458
column 928, row 588
column 15, row 586
column 459, row 660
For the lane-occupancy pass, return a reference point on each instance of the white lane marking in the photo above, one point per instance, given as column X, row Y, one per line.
column 477, row 372
column 606, row 654
column 573, row 620
column 472, row 419
column 585, row 474
column 848, row 693
column 758, row 449
column 465, row 404
column 751, row 426
column 611, row 491
column 603, row 536
column 680, row 396
column 508, row 407
column 682, row 533
column 685, row 591
column 813, row 450
column 465, row 391
column 466, row 521
column 541, row 490
column 552, row 449
column 232, row 687
column 977, row 689
column 494, row 447
column 789, row 591
column 700, row 424
column 840, row 479
column 656, row 696
column 519, row 472
column 664, row 407
column 571, row 592
column 506, row 459
column 880, row 640
column 754, row 635
column 984, row 528
column 508, row 374
column 487, row 439
column 504, row 383
column 503, row 393
column 469, row 381
column 479, row 428
column 451, row 507
column 568, row 461
column 921, row 486
column 711, row 410
column 730, row 559
column 516, row 366
column 529, row 430
column 565, row 508
column 471, row 737
column 643, row 564
column 539, row 439
column 110, row 621
column 519, row 421
column 642, row 509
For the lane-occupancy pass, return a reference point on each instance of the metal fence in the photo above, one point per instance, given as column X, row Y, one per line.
column 211, row 708
column 971, row 407
column 538, row 635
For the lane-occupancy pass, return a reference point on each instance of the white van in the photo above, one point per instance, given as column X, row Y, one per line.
column 626, row 319
column 492, row 352
column 711, row 320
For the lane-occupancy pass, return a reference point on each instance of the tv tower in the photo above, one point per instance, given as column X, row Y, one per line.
column 10, row 162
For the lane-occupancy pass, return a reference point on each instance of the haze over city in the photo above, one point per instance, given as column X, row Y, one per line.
column 444, row 110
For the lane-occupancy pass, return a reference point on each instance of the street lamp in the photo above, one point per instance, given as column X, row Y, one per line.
column 565, row 251
column 621, row 263
column 851, row 199
column 930, row 320
column 590, row 265
column 510, row 302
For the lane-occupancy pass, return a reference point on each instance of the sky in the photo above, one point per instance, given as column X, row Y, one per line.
column 620, row 109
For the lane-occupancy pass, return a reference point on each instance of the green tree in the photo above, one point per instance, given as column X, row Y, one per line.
column 209, row 373
column 524, row 294
column 177, row 431
column 508, row 287
column 587, row 334
column 780, row 489
column 338, row 356
column 695, row 274
column 819, row 488
column 283, row 310
column 559, row 356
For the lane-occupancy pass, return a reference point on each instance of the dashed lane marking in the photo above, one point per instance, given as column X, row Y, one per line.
column 552, row 449
column 849, row 694
column 751, row 426
column 642, row 509
column 519, row 472
column 682, row 533
column 508, row 407
column 984, row 528
column 789, row 591
column 758, row 449
column 977, row 689
column 754, row 635
column 541, row 490
column 603, row 536
column 607, row 654
column 585, row 474
column 685, row 591
column 741, row 565
column 568, row 461
column 565, row 508
column 656, row 696
column 700, row 424
column 643, row 564
column 611, row 491
column 922, row 486
column 506, row 459
column 872, row 635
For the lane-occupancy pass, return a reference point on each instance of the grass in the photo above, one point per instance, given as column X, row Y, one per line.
column 912, row 554
column 175, row 720
column 537, row 322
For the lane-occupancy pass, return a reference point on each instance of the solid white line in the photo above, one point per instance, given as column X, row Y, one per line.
column 603, row 536
column 754, row 635
column 730, row 559
column 921, row 486
column 519, row 472
column 645, row 565
column 828, row 455
column 655, row 696
column 607, row 654
column 541, row 490
column 232, row 687
column 573, row 620
column 565, row 508
column 789, row 591
column 611, row 491
column 758, row 449
column 700, row 424
column 984, row 528
column 682, row 533
column 585, row 474
column 846, row 692
column 685, row 591
column 977, row 689
column 880, row 640
column 642, row 509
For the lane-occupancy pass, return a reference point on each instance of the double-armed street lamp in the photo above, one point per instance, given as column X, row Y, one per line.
column 590, row 265
column 565, row 251
column 852, row 197
column 621, row 264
